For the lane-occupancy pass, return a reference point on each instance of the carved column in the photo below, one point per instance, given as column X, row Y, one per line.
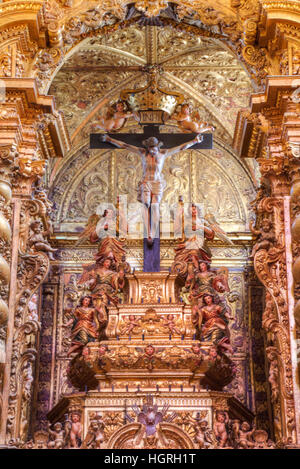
column 271, row 254
column 31, row 131
column 293, row 148
column 271, row 134
column 7, row 154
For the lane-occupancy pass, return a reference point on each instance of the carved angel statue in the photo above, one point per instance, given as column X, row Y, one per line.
column 37, row 241
column 170, row 323
column 95, row 435
column 204, row 437
column 190, row 121
column 57, row 436
column 192, row 244
column 101, row 227
column 104, row 281
column 33, row 308
column 115, row 117
column 212, row 319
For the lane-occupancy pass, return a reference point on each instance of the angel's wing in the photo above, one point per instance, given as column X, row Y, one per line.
column 196, row 116
column 222, row 277
column 89, row 229
column 171, row 417
column 142, row 418
column 212, row 223
column 86, row 274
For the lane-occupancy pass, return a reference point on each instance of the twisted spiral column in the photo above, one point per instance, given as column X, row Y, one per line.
column 295, row 232
column 6, row 161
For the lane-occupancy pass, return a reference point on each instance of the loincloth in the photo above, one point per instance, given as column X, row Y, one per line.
column 151, row 188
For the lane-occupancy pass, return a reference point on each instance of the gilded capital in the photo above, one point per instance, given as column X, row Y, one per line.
column 276, row 170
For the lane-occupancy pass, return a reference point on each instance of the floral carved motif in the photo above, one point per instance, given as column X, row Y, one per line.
column 270, row 267
column 32, row 270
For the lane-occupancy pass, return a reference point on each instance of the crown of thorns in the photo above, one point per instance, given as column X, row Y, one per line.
column 152, row 142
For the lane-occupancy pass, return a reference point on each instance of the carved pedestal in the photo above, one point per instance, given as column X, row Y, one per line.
column 150, row 383
column 118, row 414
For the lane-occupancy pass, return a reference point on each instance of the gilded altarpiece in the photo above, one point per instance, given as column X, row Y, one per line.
column 223, row 185
column 32, row 314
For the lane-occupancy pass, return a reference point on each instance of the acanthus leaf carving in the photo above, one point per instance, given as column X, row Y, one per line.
column 270, row 267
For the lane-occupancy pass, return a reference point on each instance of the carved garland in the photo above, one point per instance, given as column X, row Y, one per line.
column 32, row 270
column 270, row 267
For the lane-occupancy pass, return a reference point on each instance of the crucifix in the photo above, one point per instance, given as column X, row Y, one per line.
column 148, row 147
column 152, row 106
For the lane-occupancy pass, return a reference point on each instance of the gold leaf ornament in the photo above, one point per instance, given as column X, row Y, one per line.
column 151, row 8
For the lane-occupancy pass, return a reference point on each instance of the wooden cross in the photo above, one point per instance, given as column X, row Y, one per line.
column 152, row 130
column 152, row 253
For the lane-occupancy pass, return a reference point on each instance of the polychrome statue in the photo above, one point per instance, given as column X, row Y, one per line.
column 152, row 185
column 85, row 322
column 189, row 121
column 115, row 117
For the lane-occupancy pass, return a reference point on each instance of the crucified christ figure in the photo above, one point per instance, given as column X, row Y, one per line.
column 152, row 184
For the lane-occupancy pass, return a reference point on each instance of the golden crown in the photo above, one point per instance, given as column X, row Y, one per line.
column 152, row 103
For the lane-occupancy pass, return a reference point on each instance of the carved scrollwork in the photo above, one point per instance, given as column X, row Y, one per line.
column 250, row 31
column 33, row 267
column 256, row 58
column 151, row 8
column 46, row 62
column 32, row 271
column 270, row 267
